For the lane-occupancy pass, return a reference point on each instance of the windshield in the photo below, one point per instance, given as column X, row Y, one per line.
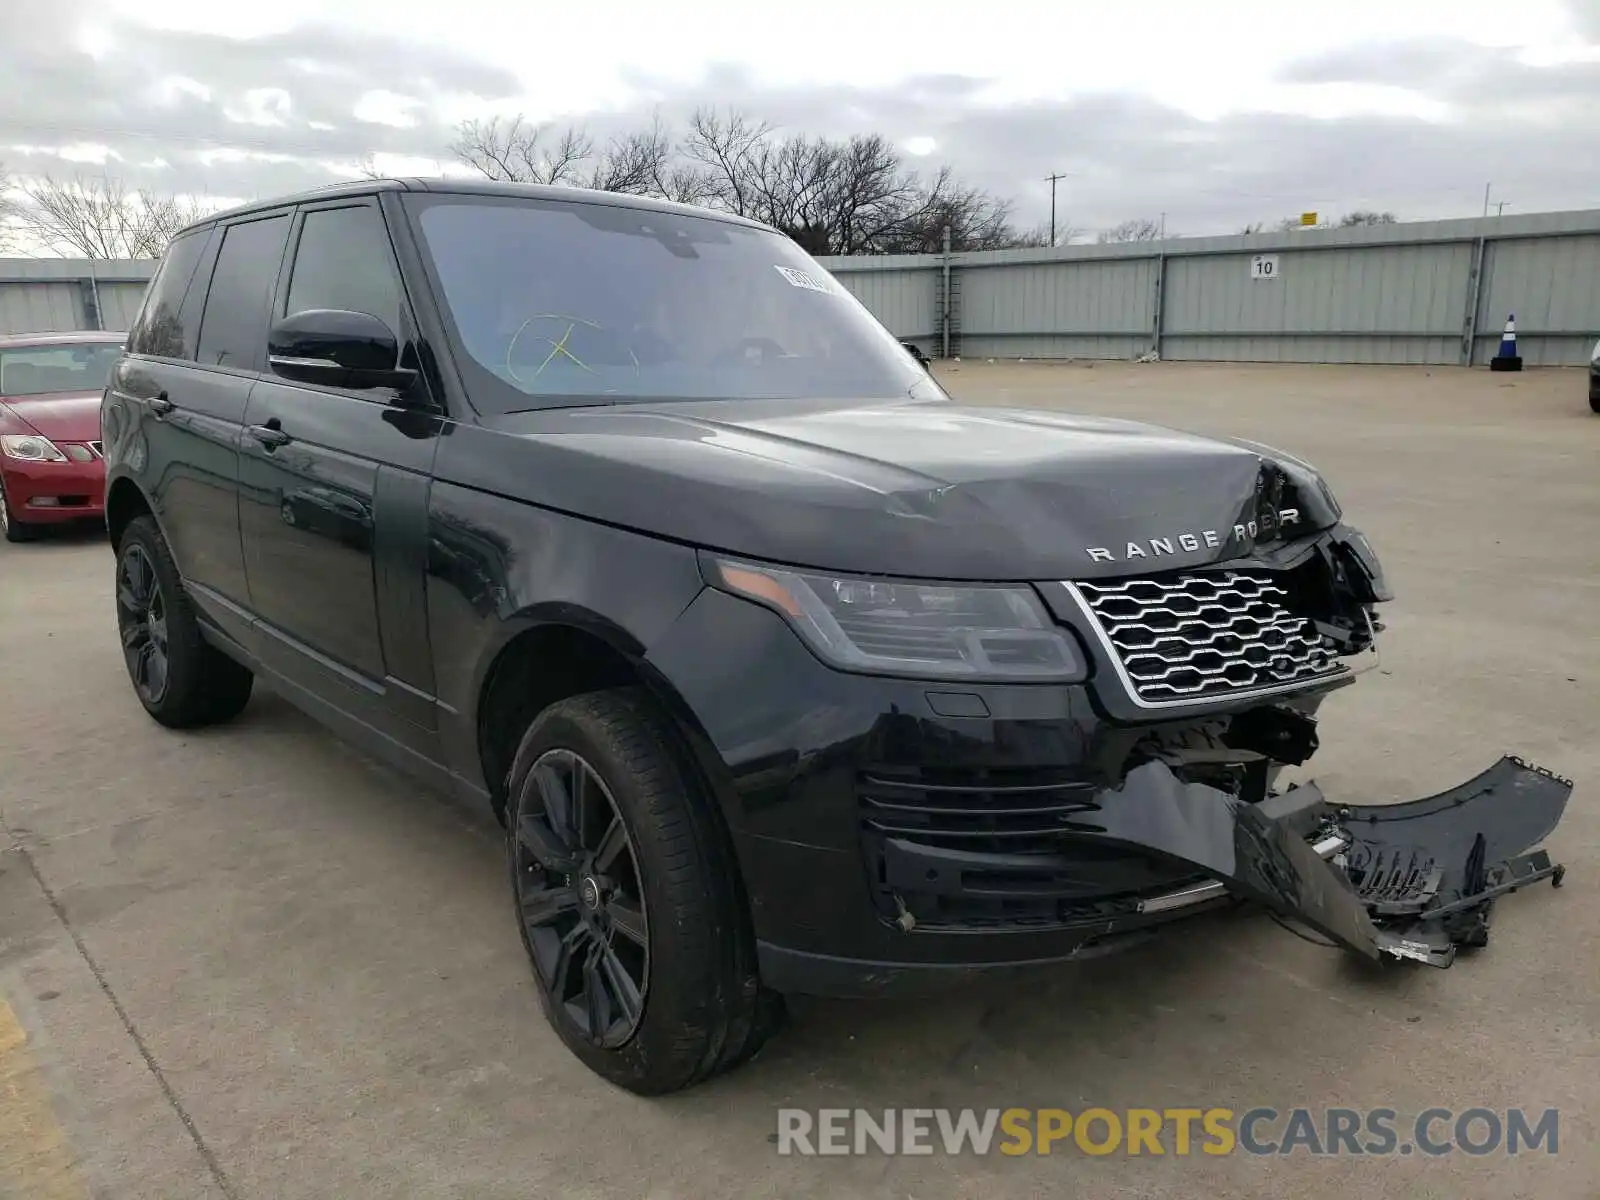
column 555, row 302
column 58, row 367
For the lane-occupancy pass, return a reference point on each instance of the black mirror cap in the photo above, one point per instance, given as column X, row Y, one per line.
column 338, row 348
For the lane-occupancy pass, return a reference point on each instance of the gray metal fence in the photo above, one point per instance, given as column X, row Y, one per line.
column 56, row 295
column 1425, row 292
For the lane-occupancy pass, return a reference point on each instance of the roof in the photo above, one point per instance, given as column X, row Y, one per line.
column 13, row 341
column 474, row 187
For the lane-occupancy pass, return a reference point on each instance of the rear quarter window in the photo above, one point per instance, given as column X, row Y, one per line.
column 159, row 329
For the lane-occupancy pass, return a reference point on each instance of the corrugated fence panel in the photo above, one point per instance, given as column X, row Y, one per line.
column 1553, row 286
column 40, row 307
column 904, row 300
column 1384, row 294
column 1397, row 304
column 1093, row 309
column 119, row 304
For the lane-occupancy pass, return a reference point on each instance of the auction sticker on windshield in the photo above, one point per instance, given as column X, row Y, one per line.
column 800, row 279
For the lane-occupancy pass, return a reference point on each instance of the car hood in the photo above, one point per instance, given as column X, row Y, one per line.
column 63, row 416
column 914, row 487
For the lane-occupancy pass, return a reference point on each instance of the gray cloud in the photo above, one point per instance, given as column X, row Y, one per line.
column 52, row 94
column 1480, row 78
column 1532, row 130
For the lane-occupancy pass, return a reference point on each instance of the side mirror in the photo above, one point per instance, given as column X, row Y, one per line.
column 338, row 348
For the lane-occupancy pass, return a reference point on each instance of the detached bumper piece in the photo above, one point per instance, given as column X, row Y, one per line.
column 1429, row 872
column 1414, row 881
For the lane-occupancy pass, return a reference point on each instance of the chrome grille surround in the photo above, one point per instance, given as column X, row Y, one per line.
column 1205, row 636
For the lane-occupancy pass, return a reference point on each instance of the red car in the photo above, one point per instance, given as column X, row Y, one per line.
column 50, row 465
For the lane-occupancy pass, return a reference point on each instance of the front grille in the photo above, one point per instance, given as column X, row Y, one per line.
column 1199, row 636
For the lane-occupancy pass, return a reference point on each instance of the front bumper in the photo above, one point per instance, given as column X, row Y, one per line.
column 52, row 492
column 894, row 835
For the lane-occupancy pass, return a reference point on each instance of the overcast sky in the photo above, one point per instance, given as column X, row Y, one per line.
column 1214, row 113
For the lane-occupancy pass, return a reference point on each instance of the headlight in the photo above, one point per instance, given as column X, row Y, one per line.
column 922, row 630
column 31, row 447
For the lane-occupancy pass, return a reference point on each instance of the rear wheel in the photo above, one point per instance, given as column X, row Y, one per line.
column 14, row 530
column 181, row 679
column 626, row 898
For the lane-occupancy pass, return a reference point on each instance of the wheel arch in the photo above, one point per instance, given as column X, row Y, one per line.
column 126, row 501
column 554, row 652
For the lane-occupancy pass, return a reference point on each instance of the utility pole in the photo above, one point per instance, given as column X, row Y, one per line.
column 1486, row 188
column 1499, row 207
column 1051, row 180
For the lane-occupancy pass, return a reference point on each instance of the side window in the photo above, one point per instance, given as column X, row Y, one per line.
column 159, row 328
column 344, row 261
column 233, row 332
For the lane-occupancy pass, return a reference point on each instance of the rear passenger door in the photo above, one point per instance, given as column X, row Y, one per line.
column 333, row 495
column 193, row 357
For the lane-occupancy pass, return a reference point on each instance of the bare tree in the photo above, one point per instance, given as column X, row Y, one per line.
column 1138, row 229
column 100, row 218
column 646, row 163
column 728, row 150
column 854, row 196
column 1366, row 217
column 522, row 152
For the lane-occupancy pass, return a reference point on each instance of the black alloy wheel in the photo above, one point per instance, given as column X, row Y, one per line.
column 142, row 622
column 581, row 902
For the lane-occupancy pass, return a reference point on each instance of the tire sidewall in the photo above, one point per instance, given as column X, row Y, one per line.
column 15, row 531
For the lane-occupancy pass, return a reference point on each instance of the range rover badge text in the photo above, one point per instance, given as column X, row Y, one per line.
column 1180, row 543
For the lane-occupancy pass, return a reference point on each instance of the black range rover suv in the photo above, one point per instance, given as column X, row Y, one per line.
column 784, row 672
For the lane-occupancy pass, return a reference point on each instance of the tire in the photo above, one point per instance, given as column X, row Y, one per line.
column 1594, row 399
column 15, row 530
column 697, row 1005
column 197, row 684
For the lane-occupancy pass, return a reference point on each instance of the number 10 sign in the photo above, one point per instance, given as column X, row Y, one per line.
column 1264, row 266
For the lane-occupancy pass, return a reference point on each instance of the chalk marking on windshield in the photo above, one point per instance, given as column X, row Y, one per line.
column 558, row 347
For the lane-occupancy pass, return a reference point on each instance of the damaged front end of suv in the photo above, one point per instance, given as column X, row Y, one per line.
column 1006, row 824
column 1212, row 679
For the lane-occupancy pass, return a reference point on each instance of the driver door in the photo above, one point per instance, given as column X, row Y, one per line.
column 329, row 481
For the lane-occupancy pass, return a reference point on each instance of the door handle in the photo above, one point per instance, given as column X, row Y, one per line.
column 160, row 406
column 270, row 435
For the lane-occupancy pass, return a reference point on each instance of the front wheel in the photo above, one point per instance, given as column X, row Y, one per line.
column 627, row 899
column 1594, row 399
column 180, row 678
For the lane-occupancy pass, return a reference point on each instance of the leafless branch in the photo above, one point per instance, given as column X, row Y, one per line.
column 8, row 208
column 1139, row 229
column 99, row 218
column 1367, row 217
column 520, row 152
